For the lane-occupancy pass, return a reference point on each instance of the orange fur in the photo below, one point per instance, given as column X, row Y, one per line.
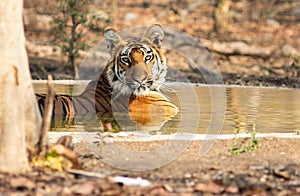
column 153, row 109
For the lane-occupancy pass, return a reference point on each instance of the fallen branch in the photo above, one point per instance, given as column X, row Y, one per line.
column 237, row 48
column 43, row 143
column 116, row 179
column 86, row 173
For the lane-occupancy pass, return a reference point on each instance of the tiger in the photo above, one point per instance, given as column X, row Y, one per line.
column 130, row 81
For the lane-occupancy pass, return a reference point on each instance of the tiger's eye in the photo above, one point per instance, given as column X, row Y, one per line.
column 148, row 57
column 125, row 60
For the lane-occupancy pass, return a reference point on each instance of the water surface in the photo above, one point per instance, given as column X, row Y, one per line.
column 269, row 109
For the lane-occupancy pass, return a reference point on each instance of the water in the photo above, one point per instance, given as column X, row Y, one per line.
column 202, row 109
column 272, row 110
column 65, row 87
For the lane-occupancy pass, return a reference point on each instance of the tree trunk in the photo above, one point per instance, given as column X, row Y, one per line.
column 20, row 119
column 221, row 19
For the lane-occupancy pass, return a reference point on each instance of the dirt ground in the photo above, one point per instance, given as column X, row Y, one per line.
column 272, row 169
column 271, row 27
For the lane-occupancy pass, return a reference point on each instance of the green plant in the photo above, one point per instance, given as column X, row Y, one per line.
column 72, row 23
column 244, row 146
column 297, row 131
column 296, row 58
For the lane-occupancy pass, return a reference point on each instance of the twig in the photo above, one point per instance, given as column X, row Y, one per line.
column 114, row 11
column 42, row 145
column 86, row 173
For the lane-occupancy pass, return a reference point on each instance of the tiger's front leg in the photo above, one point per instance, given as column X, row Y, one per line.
column 152, row 110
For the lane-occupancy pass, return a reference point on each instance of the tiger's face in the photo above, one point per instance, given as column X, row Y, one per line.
column 137, row 65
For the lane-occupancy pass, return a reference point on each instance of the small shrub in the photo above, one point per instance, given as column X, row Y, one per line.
column 244, row 146
column 72, row 23
column 297, row 131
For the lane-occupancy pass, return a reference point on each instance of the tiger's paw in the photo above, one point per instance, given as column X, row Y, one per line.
column 151, row 110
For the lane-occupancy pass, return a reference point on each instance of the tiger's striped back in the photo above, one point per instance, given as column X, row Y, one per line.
column 94, row 100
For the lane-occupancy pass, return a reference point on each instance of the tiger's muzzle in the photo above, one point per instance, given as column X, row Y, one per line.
column 138, row 79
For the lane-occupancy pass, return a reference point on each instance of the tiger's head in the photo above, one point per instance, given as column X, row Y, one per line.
column 137, row 65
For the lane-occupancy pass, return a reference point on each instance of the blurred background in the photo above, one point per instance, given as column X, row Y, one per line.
column 253, row 42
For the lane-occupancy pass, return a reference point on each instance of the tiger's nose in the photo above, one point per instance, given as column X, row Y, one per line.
column 139, row 79
column 137, row 73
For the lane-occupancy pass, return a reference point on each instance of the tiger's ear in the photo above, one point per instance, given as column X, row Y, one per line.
column 155, row 34
column 112, row 39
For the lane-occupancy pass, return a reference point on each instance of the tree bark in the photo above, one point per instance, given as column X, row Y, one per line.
column 20, row 119
column 221, row 18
